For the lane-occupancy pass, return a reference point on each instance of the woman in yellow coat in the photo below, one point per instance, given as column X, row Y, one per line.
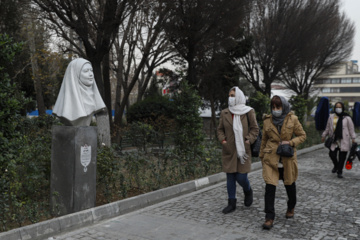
column 279, row 128
column 236, row 131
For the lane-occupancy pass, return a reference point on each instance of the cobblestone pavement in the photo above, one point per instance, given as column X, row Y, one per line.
column 327, row 208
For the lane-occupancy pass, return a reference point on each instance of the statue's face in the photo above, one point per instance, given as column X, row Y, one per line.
column 87, row 75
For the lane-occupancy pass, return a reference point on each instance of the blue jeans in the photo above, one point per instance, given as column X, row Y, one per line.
column 232, row 178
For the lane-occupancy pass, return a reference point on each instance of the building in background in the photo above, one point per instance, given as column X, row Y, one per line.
column 343, row 85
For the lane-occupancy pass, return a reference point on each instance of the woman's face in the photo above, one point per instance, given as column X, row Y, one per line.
column 232, row 93
column 338, row 105
column 275, row 108
column 87, row 75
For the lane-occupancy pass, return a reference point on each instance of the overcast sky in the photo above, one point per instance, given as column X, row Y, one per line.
column 352, row 10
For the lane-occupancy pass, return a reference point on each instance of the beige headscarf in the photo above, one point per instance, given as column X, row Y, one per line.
column 77, row 101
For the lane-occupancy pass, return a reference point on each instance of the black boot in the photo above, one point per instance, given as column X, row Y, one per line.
column 230, row 207
column 248, row 197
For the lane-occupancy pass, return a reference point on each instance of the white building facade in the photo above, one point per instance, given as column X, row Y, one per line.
column 343, row 85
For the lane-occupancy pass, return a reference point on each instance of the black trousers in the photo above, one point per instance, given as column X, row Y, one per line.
column 338, row 164
column 270, row 196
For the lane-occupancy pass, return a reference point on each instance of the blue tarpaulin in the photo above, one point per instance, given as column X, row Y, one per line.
column 36, row 113
column 356, row 114
column 322, row 114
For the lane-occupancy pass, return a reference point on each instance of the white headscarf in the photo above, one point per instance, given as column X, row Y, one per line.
column 75, row 99
column 239, row 109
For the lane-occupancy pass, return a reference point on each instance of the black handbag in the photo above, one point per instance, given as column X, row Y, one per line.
column 255, row 146
column 329, row 141
column 285, row 150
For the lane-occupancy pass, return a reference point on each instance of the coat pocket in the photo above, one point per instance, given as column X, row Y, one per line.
column 226, row 150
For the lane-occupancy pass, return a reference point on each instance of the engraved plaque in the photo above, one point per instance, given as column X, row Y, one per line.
column 85, row 156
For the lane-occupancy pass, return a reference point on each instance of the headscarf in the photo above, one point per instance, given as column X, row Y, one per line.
column 76, row 100
column 239, row 109
column 339, row 125
column 278, row 121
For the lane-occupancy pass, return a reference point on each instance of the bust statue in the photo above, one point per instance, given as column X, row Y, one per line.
column 79, row 98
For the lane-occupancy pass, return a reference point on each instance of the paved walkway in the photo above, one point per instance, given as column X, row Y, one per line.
column 328, row 208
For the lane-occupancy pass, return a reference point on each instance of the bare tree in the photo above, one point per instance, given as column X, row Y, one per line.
column 293, row 42
column 140, row 48
column 325, row 39
column 160, row 54
column 271, row 25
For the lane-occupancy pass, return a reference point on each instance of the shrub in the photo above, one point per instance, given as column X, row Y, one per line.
column 150, row 109
column 261, row 105
column 189, row 134
column 298, row 105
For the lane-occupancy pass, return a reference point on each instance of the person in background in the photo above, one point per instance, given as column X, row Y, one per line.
column 237, row 130
column 280, row 127
column 341, row 127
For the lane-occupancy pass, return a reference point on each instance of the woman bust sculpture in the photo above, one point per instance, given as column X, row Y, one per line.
column 79, row 98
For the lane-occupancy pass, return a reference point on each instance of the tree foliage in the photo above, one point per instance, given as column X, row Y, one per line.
column 189, row 134
column 261, row 105
column 151, row 109
column 298, row 105
column 11, row 103
column 11, row 100
column 197, row 28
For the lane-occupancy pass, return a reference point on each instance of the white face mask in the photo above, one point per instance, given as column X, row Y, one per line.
column 277, row 113
column 231, row 101
column 338, row 110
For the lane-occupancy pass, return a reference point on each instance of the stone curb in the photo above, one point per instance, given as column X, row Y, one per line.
column 69, row 222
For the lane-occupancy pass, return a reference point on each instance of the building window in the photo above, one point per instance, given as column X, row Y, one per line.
column 350, row 89
column 325, row 90
column 335, row 80
column 325, row 81
column 346, row 80
column 356, row 80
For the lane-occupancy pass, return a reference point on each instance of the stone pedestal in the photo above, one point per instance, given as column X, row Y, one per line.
column 73, row 169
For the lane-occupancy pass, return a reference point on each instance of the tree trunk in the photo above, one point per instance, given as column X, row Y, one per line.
column 35, row 71
column 141, row 83
column 96, row 64
column 145, row 84
column 107, row 85
column 268, row 89
column 118, row 114
column 191, row 77
column 213, row 117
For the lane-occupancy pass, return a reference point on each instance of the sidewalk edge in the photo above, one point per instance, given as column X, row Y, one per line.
column 69, row 222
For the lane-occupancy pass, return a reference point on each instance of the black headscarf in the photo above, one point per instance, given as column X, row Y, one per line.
column 339, row 126
column 278, row 121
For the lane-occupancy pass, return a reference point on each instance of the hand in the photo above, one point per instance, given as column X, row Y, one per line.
column 247, row 141
column 322, row 139
column 223, row 142
column 353, row 141
column 285, row 142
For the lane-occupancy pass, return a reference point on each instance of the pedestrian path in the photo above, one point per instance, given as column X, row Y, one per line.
column 327, row 208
